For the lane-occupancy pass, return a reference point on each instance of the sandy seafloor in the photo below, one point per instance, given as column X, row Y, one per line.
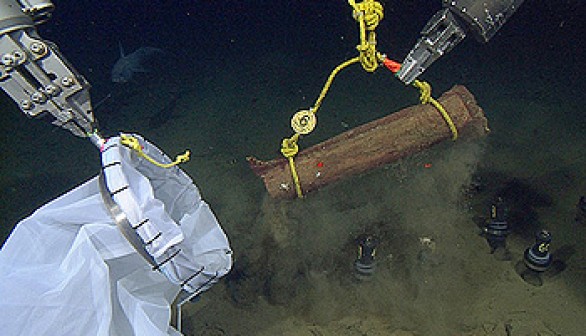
column 293, row 270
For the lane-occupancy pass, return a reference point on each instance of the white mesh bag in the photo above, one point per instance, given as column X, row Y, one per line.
column 110, row 256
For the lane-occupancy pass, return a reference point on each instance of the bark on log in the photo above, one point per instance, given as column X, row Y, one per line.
column 374, row 144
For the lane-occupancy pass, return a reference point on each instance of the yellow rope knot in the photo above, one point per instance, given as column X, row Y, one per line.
column 368, row 14
column 426, row 98
column 132, row 143
column 289, row 148
column 368, row 55
column 369, row 11
column 424, row 91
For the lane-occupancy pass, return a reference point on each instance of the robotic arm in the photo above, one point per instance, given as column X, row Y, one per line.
column 449, row 26
column 36, row 76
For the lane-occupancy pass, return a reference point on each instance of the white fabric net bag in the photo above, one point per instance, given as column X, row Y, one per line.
column 110, row 256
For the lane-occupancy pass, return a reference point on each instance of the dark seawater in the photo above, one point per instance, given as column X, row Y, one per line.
column 234, row 72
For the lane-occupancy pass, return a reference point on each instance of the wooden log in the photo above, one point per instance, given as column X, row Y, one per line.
column 374, row 144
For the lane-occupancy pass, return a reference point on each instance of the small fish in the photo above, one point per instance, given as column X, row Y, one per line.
column 138, row 61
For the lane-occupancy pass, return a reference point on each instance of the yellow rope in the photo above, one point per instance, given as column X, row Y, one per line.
column 132, row 143
column 368, row 13
column 289, row 148
column 425, row 98
column 328, row 83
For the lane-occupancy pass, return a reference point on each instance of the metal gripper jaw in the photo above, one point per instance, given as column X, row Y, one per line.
column 36, row 76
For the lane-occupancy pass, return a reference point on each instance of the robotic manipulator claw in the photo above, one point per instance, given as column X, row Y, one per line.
column 450, row 25
column 36, row 76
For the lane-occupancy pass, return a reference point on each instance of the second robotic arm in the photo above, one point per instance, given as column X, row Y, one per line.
column 449, row 26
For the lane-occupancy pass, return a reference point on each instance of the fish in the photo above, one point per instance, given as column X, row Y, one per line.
column 139, row 61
